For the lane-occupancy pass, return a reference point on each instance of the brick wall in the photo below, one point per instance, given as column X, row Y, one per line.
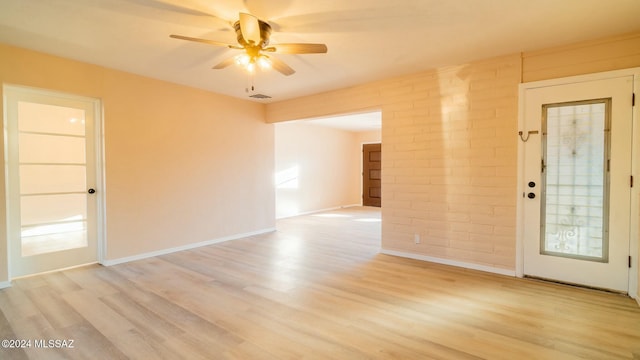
column 449, row 157
column 619, row 52
column 449, row 163
column 449, row 145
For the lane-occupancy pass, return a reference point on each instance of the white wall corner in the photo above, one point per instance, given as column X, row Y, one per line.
column 460, row 264
column 5, row 284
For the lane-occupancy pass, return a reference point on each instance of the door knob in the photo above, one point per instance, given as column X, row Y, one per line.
column 531, row 195
column 91, row 191
column 532, row 184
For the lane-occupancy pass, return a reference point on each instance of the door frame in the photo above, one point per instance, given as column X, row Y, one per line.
column 98, row 137
column 635, row 167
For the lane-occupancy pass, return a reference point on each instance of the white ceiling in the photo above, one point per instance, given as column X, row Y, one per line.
column 368, row 121
column 367, row 39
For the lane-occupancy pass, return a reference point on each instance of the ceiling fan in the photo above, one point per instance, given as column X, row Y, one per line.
column 253, row 37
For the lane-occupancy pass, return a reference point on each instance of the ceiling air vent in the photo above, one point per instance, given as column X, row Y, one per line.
column 260, row 96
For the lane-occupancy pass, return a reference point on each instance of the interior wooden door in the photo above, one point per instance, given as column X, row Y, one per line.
column 372, row 175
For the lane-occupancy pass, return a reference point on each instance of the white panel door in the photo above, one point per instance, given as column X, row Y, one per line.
column 577, row 195
column 52, row 183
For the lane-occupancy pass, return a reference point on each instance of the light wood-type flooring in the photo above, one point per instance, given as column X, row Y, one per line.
column 315, row 289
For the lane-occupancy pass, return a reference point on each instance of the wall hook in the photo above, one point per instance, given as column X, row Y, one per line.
column 528, row 134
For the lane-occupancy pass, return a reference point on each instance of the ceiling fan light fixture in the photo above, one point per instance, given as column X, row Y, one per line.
column 264, row 62
column 251, row 63
column 243, row 60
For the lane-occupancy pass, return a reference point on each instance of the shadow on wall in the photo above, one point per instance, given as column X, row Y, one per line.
column 450, row 167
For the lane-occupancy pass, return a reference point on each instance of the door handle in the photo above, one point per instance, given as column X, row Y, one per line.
column 91, row 191
column 531, row 195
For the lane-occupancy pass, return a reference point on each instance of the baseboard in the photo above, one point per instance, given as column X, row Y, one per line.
column 461, row 264
column 184, row 247
column 5, row 284
column 318, row 211
column 350, row 206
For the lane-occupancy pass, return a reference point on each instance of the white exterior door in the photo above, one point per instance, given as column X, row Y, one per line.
column 53, row 180
column 576, row 198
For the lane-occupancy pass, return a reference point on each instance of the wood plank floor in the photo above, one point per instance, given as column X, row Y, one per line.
column 315, row 289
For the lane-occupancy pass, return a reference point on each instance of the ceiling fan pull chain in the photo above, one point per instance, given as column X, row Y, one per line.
column 250, row 83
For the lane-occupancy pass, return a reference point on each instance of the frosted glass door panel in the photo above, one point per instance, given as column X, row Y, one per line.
column 53, row 229
column 50, row 119
column 576, row 181
column 53, row 149
column 59, row 179
column 38, row 209
column 56, row 241
column 53, row 183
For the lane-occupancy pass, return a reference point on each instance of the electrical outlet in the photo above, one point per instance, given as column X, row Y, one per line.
column 416, row 238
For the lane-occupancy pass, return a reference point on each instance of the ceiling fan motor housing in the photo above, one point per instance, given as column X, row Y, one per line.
column 265, row 33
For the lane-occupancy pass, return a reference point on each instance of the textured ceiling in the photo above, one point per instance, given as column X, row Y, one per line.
column 367, row 40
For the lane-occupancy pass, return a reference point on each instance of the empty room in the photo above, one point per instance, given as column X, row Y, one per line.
column 197, row 179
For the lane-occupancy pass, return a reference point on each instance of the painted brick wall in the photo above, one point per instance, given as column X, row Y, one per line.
column 620, row 52
column 449, row 145
column 449, row 157
column 449, row 163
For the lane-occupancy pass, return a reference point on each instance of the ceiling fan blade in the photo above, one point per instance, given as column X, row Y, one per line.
column 173, row 6
column 204, row 41
column 281, row 67
column 250, row 28
column 299, row 48
column 223, row 64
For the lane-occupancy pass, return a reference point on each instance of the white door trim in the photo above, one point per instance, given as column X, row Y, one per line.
column 99, row 161
column 635, row 191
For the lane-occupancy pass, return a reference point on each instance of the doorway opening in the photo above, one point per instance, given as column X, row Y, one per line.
column 319, row 162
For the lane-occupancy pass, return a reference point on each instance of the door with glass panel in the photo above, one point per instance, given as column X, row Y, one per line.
column 577, row 195
column 51, row 190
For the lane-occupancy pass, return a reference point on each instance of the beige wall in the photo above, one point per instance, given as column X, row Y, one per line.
column 182, row 165
column 317, row 168
column 449, row 154
column 369, row 137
